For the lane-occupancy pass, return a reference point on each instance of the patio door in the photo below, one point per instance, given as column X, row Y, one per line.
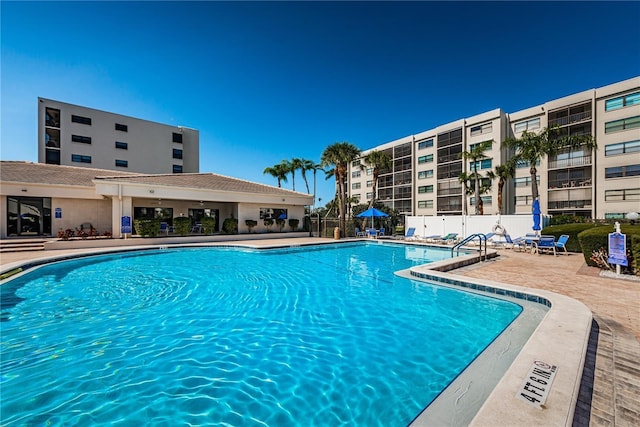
column 28, row 216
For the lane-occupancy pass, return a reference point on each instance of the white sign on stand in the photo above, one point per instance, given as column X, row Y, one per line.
column 618, row 249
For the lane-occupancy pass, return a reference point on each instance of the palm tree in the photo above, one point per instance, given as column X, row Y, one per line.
column 474, row 184
column 380, row 161
column 293, row 165
column 308, row 165
column 504, row 172
column 278, row 171
column 476, row 154
column 532, row 147
column 339, row 155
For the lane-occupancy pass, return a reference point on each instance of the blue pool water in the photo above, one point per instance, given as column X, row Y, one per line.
column 223, row 336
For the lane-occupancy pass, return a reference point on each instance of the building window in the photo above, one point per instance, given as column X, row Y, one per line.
column 177, row 153
column 177, row 137
column 622, row 101
column 425, row 204
column 122, row 145
column 486, row 200
column 622, row 148
column 425, row 144
column 81, row 139
column 355, row 174
column 78, row 158
column 622, row 195
column 425, row 174
column 356, row 186
column 369, row 171
column 52, row 117
column 425, row 159
column 622, row 171
column 369, row 183
column 52, row 157
column 80, row 119
column 177, row 168
column 527, row 125
column 425, row 189
column 614, row 215
column 523, row 200
column 121, row 127
column 356, row 163
column 525, row 163
column 369, row 196
column 623, row 124
column 122, row 163
column 525, row 181
column 481, row 164
column 481, row 129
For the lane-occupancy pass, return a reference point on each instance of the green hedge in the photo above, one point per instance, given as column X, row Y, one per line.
column 597, row 237
column 208, row 224
column 230, row 226
column 572, row 230
column 293, row 223
column 182, row 225
column 147, row 227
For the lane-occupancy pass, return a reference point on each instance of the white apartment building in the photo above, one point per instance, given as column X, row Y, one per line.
column 72, row 135
column 423, row 179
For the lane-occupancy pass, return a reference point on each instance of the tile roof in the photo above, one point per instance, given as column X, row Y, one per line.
column 41, row 173
column 206, row 181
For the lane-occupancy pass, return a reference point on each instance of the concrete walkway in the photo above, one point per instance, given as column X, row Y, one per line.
column 610, row 387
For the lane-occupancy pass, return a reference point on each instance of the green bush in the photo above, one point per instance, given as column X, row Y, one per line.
column 147, row 227
column 572, row 230
column 208, row 224
column 230, row 226
column 250, row 223
column 566, row 219
column 597, row 238
column 182, row 225
column 280, row 223
column 293, row 223
column 268, row 223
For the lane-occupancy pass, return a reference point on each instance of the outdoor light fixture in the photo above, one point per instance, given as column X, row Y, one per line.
column 152, row 191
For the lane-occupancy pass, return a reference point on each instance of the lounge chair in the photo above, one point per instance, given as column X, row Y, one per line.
column 449, row 238
column 546, row 243
column 410, row 234
column 562, row 243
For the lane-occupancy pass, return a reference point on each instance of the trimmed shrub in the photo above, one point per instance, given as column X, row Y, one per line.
column 293, row 223
column 566, row 219
column 268, row 223
column 182, row 225
column 147, row 227
column 596, row 238
column 230, row 226
column 250, row 223
column 208, row 224
column 572, row 230
column 280, row 223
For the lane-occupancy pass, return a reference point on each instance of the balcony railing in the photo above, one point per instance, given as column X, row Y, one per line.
column 570, row 204
column 572, row 183
column 574, row 118
column 571, row 162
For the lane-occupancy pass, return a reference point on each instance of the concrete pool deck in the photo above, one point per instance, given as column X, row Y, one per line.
column 610, row 390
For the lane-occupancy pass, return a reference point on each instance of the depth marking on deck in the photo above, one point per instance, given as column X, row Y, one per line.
column 536, row 386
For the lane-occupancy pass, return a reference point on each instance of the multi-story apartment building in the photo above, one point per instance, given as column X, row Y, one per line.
column 605, row 183
column 73, row 135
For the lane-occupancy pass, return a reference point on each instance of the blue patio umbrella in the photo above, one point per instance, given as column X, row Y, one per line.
column 371, row 213
column 537, row 215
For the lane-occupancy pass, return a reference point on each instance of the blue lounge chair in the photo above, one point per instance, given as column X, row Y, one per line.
column 381, row 232
column 562, row 243
column 449, row 238
column 411, row 231
column 546, row 243
column 360, row 233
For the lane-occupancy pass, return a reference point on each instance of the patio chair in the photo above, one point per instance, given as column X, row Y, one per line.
column 381, row 232
column 372, row 232
column 449, row 238
column 360, row 233
column 410, row 234
column 164, row 228
column 562, row 243
column 546, row 243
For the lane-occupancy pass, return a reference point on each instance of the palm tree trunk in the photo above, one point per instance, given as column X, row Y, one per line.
column 534, row 183
column 477, row 189
column 341, row 203
column 500, row 187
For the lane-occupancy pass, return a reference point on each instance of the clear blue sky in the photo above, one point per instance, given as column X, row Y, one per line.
column 269, row 81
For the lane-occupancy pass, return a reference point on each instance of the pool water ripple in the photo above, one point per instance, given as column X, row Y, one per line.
column 237, row 337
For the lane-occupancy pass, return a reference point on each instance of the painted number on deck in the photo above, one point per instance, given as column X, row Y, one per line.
column 536, row 386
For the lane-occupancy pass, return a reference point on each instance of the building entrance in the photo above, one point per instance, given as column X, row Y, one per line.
column 28, row 216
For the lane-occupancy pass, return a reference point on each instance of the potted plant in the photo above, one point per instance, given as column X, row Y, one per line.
column 208, row 224
column 293, row 223
column 280, row 223
column 230, row 226
column 250, row 223
column 268, row 222
column 182, row 225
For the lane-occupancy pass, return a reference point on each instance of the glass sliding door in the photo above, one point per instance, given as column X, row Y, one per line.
column 28, row 216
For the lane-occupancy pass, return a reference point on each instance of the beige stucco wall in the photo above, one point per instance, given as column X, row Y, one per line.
column 76, row 212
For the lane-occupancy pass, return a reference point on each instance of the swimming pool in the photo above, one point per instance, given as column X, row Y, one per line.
column 225, row 336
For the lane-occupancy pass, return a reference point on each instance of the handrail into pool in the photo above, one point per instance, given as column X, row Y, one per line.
column 481, row 238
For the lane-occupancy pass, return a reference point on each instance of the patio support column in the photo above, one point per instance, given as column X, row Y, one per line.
column 120, row 206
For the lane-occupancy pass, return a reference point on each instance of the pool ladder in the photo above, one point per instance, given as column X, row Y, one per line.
column 483, row 241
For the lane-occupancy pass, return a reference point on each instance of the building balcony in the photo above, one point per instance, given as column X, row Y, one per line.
column 570, row 183
column 570, row 204
column 569, row 163
column 573, row 118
